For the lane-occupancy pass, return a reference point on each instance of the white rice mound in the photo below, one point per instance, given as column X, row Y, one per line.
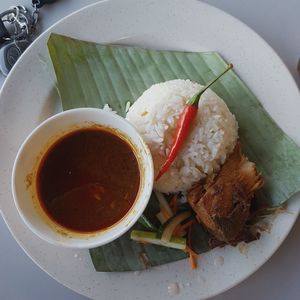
column 213, row 135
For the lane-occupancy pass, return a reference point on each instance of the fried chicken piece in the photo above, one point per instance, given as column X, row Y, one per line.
column 222, row 203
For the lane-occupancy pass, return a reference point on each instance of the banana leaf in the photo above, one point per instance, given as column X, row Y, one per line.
column 92, row 75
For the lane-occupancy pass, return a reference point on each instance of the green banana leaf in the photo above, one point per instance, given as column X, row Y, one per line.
column 91, row 75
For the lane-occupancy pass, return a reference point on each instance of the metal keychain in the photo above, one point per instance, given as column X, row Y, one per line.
column 17, row 29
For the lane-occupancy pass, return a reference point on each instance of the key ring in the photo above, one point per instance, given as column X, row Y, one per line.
column 35, row 13
column 17, row 28
column 19, row 18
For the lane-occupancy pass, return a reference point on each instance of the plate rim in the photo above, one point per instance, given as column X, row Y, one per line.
column 87, row 7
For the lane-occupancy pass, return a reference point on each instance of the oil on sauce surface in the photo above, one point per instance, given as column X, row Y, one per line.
column 88, row 180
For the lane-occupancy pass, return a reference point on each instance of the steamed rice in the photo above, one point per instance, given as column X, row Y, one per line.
column 212, row 137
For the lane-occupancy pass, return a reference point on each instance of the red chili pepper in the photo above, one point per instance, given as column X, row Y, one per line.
column 184, row 124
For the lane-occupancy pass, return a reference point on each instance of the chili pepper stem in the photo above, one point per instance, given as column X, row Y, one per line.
column 196, row 98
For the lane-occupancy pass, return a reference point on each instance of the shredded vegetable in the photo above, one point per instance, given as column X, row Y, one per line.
column 174, row 204
column 173, row 223
column 192, row 258
column 163, row 203
column 173, row 234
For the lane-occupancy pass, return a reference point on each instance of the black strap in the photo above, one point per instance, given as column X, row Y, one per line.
column 41, row 3
column 3, row 33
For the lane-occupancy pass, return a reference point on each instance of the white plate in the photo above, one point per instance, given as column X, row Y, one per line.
column 29, row 96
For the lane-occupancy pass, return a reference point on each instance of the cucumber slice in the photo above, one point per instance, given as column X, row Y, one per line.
column 153, row 238
column 163, row 203
column 146, row 223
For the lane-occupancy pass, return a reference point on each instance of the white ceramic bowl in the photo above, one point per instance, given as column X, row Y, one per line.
column 30, row 154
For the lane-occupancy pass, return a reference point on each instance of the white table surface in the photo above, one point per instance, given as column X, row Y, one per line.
column 278, row 22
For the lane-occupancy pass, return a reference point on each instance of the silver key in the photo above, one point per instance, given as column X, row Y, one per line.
column 20, row 23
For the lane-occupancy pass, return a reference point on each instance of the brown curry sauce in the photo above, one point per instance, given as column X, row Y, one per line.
column 88, row 180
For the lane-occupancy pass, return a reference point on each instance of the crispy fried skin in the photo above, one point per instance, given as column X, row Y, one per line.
column 222, row 203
